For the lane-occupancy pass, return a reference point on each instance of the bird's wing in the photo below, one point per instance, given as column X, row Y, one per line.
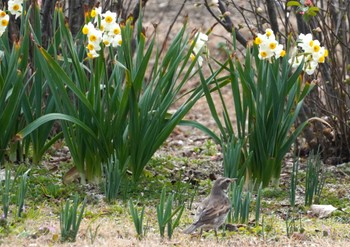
column 214, row 210
column 202, row 206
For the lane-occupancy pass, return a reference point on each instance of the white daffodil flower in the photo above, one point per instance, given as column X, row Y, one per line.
column 88, row 28
column 296, row 61
column 117, row 41
column 15, row 7
column 310, row 67
column 265, row 54
column 95, row 36
column 199, row 59
column 200, row 39
column 4, row 21
column 305, row 42
column 115, row 29
column 96, row 13
column 92, row 54
column 109, row 18
column 269, row 34
column 279, row 51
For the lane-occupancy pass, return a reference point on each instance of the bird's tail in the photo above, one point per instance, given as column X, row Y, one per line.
column 190, row 229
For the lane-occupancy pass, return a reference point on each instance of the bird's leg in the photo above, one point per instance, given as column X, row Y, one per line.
column 216, row 235
column 200, row 234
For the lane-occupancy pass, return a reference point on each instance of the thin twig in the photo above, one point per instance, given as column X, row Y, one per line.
column 240, row 10
column 227, row 23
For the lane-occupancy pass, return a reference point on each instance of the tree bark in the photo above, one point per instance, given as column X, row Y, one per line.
column 271, row 9
column 46, row 21
column 76, row 15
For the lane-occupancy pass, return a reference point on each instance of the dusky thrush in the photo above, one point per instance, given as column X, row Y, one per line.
column 214, row 209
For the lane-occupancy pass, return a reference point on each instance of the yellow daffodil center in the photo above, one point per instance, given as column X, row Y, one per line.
column 311, row 43
column 15, row 7
column 90, row 47
column 4, row 22
column 85, row 30
column 2, row 14
column 283, row 53
column 93, row 13
column 192, row 56
column 325, row 53
column 263, row 54
column 93, row 38
column 116, row 31
column 272, row 46
column 109, row 19
column 316, row 48
column 257, row 41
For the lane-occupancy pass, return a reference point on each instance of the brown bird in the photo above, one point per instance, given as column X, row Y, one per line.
column 214, row 209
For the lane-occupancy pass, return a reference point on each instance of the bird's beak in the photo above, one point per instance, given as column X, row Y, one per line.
column 233, row 180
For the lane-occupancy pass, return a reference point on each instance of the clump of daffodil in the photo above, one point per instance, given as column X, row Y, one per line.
column 268, row 46
column 200, row 40
column 104, row 29
column 311, row 52
column 4, row 21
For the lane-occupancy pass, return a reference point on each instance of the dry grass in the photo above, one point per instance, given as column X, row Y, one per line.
column 112, row 233
column 115, row 228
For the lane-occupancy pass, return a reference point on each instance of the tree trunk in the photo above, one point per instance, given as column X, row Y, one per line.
column 47, row 13
column 76, row 15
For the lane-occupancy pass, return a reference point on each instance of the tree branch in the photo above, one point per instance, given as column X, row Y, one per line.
column 226, row 22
